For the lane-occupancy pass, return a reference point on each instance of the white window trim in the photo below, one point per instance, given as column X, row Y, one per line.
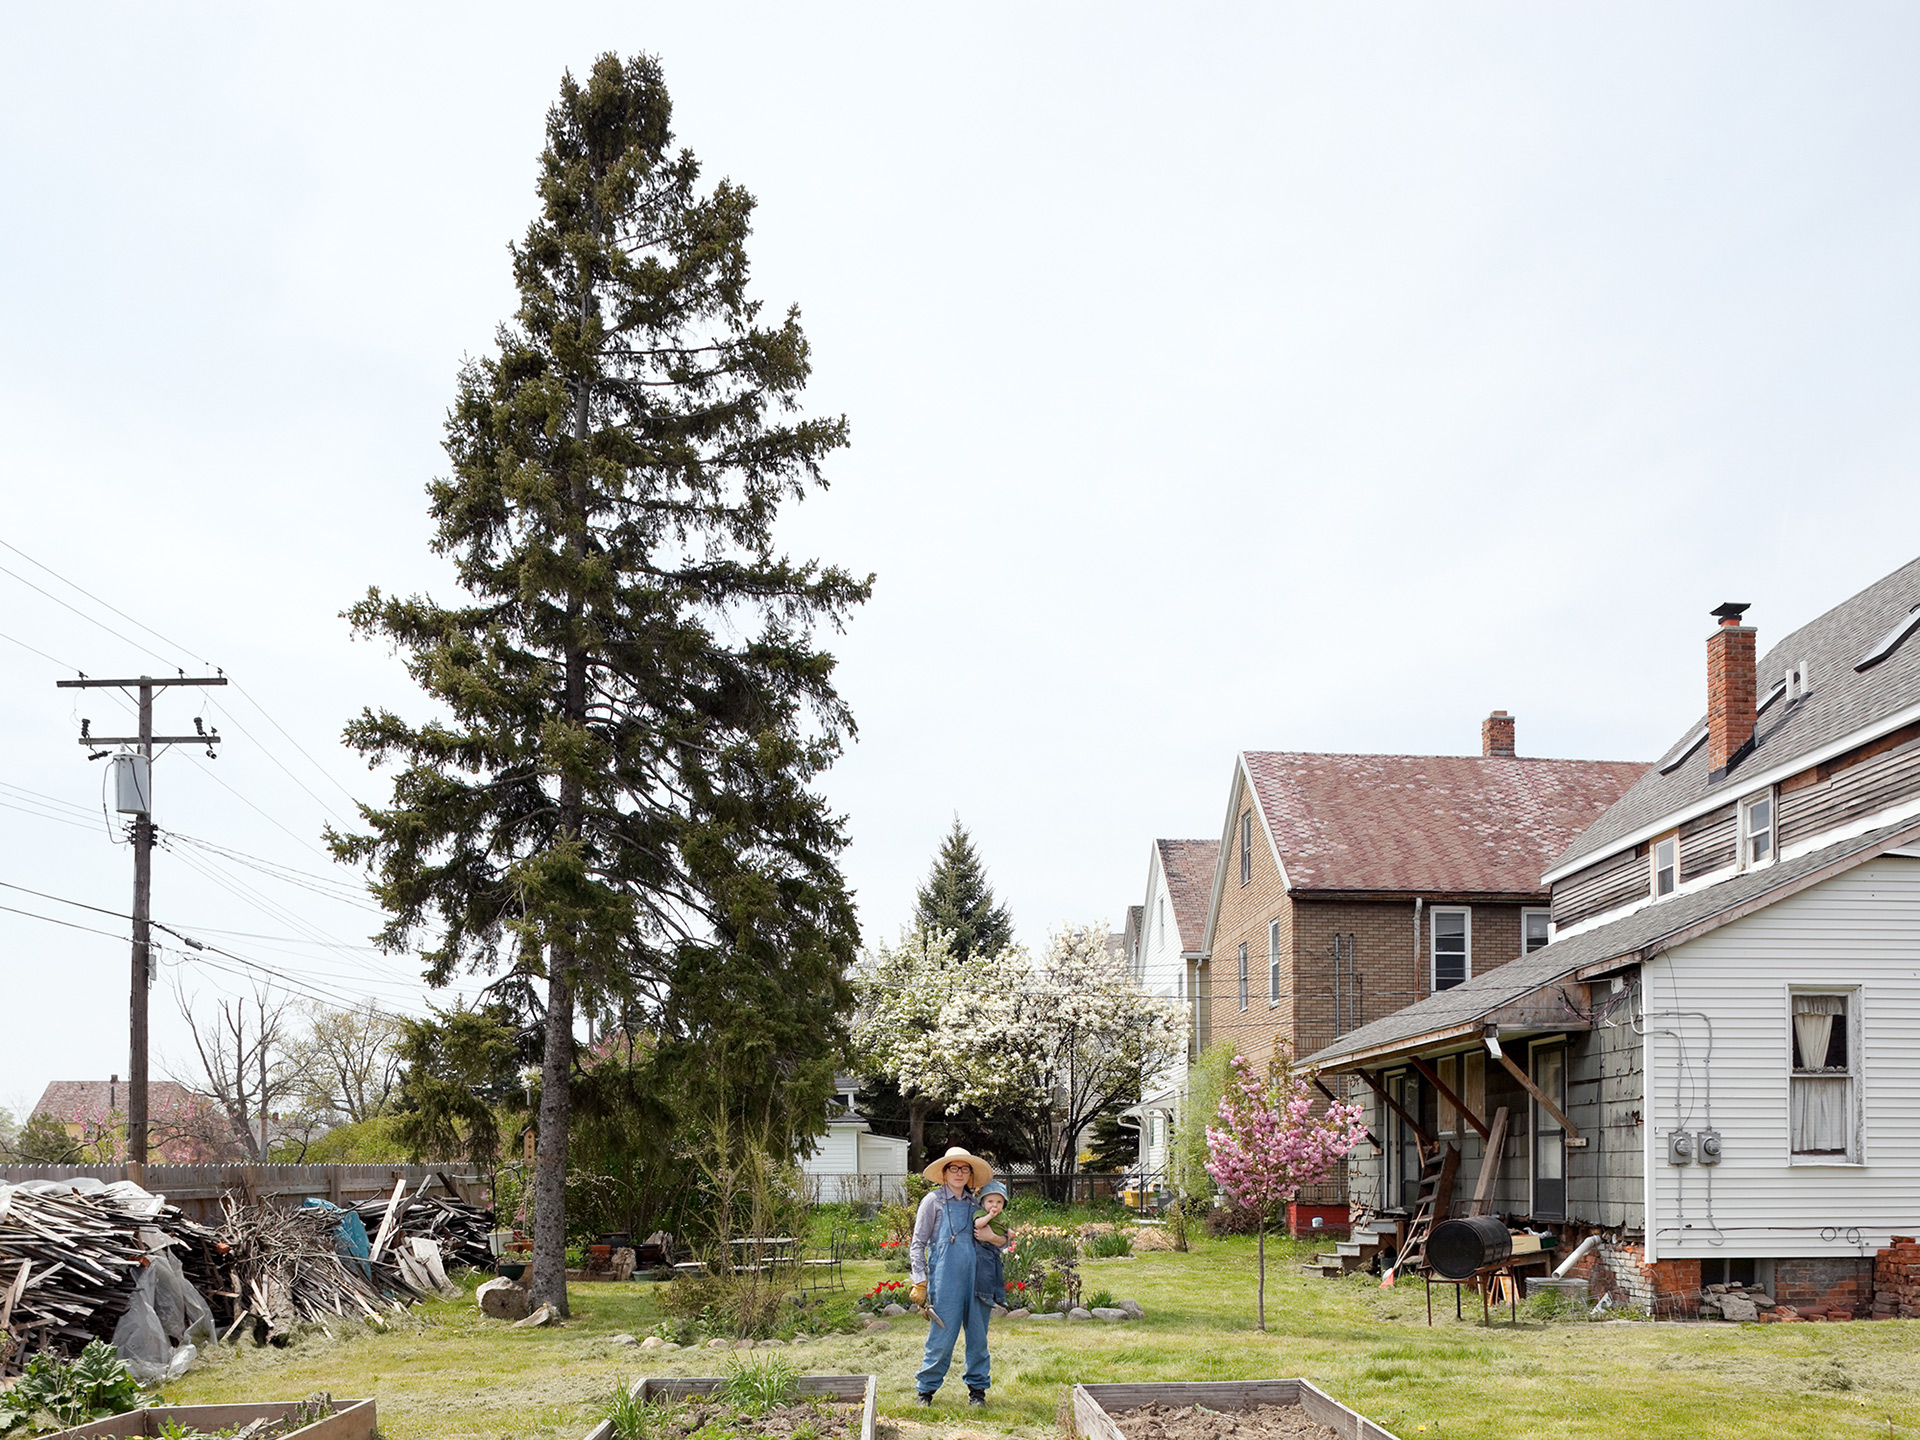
column 1653, row 866
column 1856, row 1158
column 1243, row 976
column 1273, row 963
column 1433, row 942
column 1534, row 910
column 1246, row 847
column 1746, row 860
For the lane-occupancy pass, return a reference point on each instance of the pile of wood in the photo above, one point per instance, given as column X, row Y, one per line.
column 282, row 1267
column 459, row 1229
column 69, row 1262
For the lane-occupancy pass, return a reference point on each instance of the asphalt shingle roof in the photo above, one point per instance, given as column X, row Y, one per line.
column 1188, row 866
column 1454, row 824
column 1841, row 701
column 69, row 1100
column 1645, row 931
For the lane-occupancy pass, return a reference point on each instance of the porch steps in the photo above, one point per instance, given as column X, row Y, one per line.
column 1358, row 1251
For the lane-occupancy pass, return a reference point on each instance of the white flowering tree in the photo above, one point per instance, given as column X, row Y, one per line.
column 901, row 991
column 1052, row 1043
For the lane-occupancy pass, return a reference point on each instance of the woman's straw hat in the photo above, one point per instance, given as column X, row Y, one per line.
column 982, row 1171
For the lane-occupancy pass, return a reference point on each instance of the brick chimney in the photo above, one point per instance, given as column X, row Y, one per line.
column 1496, row 735
column 1731, row 689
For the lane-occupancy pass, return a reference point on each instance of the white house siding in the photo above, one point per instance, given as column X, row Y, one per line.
column 1162, row 972
column 882, row 1155
column 838, row 1152
column 1862, row 929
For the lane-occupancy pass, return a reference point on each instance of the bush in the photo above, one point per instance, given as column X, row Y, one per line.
column 1102, row 1300
column 729, row 1306
column 1232, row 1220
column 1106, row 1244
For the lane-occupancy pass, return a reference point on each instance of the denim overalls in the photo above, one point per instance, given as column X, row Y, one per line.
column 950, row 1287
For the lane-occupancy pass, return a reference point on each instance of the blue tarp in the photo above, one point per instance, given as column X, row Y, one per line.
column 349, row 1235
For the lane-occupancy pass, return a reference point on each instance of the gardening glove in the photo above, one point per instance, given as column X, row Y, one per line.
column 918, row 1295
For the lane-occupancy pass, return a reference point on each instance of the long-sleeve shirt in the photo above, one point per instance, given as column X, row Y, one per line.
column 926, row 1225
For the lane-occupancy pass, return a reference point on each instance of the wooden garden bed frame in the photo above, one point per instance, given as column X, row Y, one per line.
column 1094, row 1406
column 350, row 1420
column 864, row 1389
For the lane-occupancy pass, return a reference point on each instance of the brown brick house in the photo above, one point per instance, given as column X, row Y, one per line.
column 1347, row 887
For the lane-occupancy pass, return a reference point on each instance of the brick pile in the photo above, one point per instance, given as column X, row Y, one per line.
column 1896, row 1280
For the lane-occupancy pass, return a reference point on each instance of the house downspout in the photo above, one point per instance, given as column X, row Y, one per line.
column 1418, row 902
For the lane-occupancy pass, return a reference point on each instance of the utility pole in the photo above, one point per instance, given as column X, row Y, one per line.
column 137, row 1123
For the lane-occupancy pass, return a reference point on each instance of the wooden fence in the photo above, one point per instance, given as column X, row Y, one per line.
column 199, row 1189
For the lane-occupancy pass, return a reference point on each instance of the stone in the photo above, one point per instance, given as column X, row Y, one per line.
column 1109, row 1314
column 874, row 1327
column 997, row 1311
column 800, row 1337
column 770, row 1344
column 718, row 1344
column 1018, row 1314
column 1739, row 1309
column 743, row 1344
column 1761, row 1298
column 652, row 1342
column 1132, row 1307
column 1079, row 1312
column 1049, row 1315
column 545, row 1315
column 502, row 1299
column 916, row 1309
column 669, row 1345
column 623, row 1264
column 1063, row 1306
column 892, row 1310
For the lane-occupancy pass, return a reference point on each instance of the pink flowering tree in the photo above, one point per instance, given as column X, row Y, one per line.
column 1270, row 1142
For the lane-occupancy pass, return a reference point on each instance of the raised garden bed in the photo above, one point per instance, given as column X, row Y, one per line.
column 852, row 1390
column 349, row 1420
column 1291, row 1408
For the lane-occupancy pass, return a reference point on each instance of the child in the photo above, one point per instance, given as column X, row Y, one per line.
column 990, row 1240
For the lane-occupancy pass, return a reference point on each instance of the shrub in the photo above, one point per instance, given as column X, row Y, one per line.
column 735, row 1306
column 1232, row 1220
column 1102, row 1300
column 92, row 1387
column 1106, row 1244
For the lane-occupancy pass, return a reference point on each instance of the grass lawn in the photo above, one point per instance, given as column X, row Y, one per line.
column 448, row 1373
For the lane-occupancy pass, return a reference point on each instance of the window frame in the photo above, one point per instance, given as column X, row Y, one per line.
column 1672, row 838
column 1246, row 846
column 1770, row 798
column 1447, row 1067
column 1433, row 945
column 1273, row 962
column 1541, row 1124
column 1544, row 913
column 1243, row 975
column 1855, row 1155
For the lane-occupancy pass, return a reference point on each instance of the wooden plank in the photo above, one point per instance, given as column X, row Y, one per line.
column 386, row 1225
column 1490, row 1163
column 1432, row 1077
column 1526, row 1084
column 350, row 1420
column 1094, row 1406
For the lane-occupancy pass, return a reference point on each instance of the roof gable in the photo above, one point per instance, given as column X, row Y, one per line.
column 1187, row 866
column 1842, row 703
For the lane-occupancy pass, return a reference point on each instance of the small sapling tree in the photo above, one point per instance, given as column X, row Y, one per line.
column 1269, row 1143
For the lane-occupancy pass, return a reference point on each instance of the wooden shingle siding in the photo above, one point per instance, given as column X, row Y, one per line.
column 1708, row 843
column 1615, row 881
column 1851, row 793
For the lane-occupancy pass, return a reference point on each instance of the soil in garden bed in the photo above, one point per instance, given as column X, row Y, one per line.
column 827, row 1420
column 1196, row 1422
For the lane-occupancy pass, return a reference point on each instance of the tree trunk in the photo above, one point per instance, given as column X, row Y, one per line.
column 917, row 1108
column 1260, row 1308
column 548, row 1283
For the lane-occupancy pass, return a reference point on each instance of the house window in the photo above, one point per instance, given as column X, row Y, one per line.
column 1534, row 931
column 1447, row 1067
column 1473, row 1087
column 1273, row 962
column 1243, row 977
column 1163, row 921
column 1666, row 865
column 1822, row 1090
column 1246, row 847
column 1452, row 947
column 1756, row 830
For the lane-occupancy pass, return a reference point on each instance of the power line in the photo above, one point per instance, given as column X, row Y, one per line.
column 31, row 915
column 349, row 892
column 98, row 601
column 123, row 639
column 36, row 649
column 235, row 722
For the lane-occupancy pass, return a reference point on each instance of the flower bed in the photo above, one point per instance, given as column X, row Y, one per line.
column 1099, row 1411
column 859, row 1393
column 346, row 1420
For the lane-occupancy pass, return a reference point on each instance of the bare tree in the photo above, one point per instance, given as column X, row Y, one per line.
column 245, row 1062
column 349, row 1060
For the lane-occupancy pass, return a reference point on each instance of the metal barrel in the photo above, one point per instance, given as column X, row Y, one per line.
column 1457, row 1248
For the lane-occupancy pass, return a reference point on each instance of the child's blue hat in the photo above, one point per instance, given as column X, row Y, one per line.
column 994, row 1187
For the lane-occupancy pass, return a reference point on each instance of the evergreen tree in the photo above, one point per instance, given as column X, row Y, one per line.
column 958, row 900
column 613, row 808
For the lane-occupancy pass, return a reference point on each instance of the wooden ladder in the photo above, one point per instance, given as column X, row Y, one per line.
column 1436, row 1197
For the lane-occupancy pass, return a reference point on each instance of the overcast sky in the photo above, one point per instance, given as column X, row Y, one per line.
column 1220, row 378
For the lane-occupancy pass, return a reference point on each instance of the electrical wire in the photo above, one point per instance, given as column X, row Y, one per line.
column 123, row 639
column 234, row 721
column 342, row 890
column 36, row 649
column 98, row 601
column 32, row 915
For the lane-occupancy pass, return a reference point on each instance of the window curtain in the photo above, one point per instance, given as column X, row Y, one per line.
column 1819, row 1102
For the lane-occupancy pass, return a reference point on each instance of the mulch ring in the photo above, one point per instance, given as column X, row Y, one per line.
column 828, row 1420
column 1154, row 1421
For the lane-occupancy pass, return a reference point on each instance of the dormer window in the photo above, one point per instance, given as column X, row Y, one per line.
column 1756, row 830
column 1666, row 866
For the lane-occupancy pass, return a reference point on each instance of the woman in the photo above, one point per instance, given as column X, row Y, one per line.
column 941, row 1261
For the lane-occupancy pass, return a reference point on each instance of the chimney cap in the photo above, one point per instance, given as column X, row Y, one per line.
column 1731, row 612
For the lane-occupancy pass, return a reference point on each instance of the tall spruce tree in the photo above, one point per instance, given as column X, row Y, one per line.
column 958, row 900
column 613, row 808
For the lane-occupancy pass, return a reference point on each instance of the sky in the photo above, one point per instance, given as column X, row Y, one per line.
column 1279, row 376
